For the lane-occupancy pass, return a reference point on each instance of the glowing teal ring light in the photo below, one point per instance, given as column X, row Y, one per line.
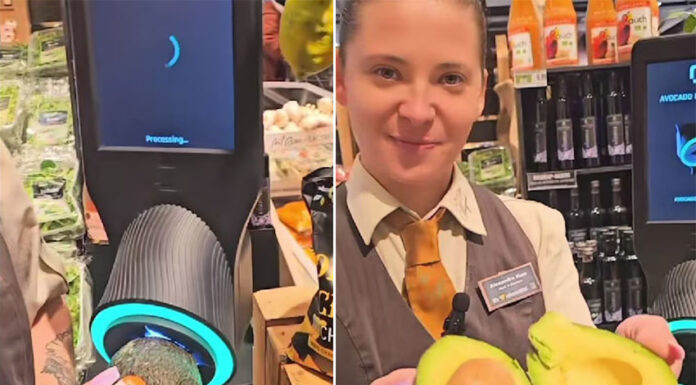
column 682, row 325
column 115, row 314
column 685, row 148
column 685, row 157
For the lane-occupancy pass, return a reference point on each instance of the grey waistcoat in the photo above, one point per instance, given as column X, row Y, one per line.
column 16, row 355
column 375, row 329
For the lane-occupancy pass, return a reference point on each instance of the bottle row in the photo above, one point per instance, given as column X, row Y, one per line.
column 611, row 278
column 590, row 129
column 611, row 31
column 585, row 224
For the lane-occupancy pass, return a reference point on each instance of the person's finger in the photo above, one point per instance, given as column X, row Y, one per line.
column 653, row 333
column 107, row 377
column 397, row 377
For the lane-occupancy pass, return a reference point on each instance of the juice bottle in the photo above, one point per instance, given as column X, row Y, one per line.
column 655, row 10
column 601, row 32
column 560, row 33
column 634, row 23
column 524, row 36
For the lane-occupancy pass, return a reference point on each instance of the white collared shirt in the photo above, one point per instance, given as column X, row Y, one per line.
column 369, row 203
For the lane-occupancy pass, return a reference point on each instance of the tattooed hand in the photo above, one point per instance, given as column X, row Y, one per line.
column 58, row 363
column 52, row 342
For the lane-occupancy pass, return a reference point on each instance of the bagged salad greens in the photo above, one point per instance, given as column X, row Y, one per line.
column 50, row 113
column 47, row 54
column 312, row 345
column 11, row 113
column 50, row 179
column 79, row 300
column 13, row 60
column 493, row 168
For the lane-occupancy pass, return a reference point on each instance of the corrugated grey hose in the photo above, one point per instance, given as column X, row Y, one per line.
column 678, row 297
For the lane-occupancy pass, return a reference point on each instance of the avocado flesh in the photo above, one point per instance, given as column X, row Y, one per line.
column 571, row 354
column 443, row 359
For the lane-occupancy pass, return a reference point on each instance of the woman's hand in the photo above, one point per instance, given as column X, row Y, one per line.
column 111, row 377
column 397, row 377
column 653, row 333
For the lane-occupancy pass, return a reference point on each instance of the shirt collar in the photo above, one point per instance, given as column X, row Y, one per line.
column 369, row 203
column 461, row 202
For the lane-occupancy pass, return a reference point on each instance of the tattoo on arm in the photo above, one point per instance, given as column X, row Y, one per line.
column 58, row 363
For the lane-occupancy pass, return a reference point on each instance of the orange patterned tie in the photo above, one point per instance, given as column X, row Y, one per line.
column 428, row 288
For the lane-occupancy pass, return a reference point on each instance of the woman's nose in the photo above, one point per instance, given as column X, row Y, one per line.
column 417, row 107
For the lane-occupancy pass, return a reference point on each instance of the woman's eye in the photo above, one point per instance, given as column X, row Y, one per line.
column 452, row 79
column 387, row 73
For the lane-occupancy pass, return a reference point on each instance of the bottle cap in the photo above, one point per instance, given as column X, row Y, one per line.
column 616, row 184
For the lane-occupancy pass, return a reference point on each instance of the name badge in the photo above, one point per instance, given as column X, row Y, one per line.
column 509, row 286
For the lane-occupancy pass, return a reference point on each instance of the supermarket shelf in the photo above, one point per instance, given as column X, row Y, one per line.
column 605, row 169
column 565, row 179
column 540, row 78
column 562, row 70
column 589, row 171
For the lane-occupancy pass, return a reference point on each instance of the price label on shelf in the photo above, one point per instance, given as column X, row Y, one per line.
column 530, row 79
column 552, row 180
column 282, row 141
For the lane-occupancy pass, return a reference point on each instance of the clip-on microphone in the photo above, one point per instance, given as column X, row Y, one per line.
column 454, row 323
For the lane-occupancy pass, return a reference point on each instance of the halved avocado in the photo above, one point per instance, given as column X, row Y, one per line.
column 571, row 354
column 458, row 360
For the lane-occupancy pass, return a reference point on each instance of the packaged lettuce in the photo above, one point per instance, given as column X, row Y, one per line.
column 10, row 112
column 464, row 168
column 13, row 60
column 312, row 346
column 79, row 300
column 50, row 178
column 50, row 113
column 492, row 167
column 9, row 103
column 47, row 52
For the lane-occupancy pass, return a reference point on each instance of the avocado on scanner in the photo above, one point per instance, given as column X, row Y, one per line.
column 570, row 354
column 458, row 360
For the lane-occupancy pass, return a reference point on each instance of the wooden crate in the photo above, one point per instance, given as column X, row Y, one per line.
column 272, row 308
column 278, row 340
column 294, row 374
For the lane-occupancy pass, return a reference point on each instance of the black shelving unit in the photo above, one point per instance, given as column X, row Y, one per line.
column 588, row 68
column 603, row 170
column 526, row 99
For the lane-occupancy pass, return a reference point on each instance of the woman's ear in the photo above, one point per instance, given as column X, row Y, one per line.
column 340, row 90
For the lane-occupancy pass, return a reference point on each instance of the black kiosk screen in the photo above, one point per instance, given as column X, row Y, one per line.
column 161, row 80
column 671, row 141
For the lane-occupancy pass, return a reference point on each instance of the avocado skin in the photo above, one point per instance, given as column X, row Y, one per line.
column 157, row 362
column 563, row 349
column 445, row 357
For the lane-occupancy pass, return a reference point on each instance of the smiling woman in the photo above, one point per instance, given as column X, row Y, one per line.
column 412, row 75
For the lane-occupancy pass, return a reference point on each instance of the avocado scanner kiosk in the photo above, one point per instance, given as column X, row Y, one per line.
column 167, row 105
column 663, row 75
